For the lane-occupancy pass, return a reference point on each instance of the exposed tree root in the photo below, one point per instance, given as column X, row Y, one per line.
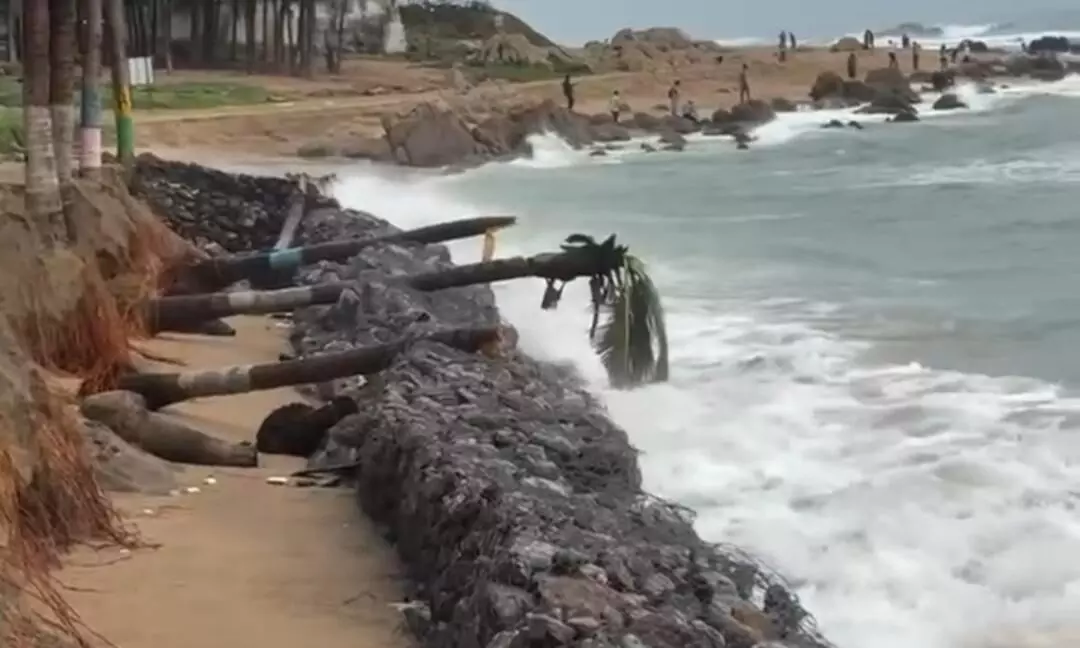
column 60, row 506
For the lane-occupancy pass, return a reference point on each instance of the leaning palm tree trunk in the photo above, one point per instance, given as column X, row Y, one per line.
column 215, row 274
column 181, row 313
column 42, row 189
column 160, row 390
column 62, row 90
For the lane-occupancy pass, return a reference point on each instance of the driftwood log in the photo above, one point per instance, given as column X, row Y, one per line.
column 169, row 313
column 215, row 274
column 126, row 414
column 164, row 389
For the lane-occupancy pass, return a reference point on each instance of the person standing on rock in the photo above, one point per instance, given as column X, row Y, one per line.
column 915, row 50
column 568, row 92
column 852, row 65
column 673, row 97
column 744, row 84
column 615, row 106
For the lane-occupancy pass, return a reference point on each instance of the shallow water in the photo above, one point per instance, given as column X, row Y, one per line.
column 875, row 338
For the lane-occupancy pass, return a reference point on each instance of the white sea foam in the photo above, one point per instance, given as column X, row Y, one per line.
column 913, row 507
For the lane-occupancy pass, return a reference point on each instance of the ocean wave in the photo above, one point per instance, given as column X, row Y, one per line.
column 912, row 505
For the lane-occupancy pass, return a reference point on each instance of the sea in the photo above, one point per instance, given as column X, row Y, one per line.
column 875, row 338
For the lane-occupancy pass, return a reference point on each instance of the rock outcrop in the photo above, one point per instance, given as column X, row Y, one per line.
column 846, row 44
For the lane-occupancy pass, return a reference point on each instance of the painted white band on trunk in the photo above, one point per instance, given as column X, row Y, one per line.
column 40, row 161
column 91, row 148
column 242, row 299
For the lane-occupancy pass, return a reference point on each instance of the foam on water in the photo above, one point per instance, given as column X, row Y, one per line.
column 911, row 506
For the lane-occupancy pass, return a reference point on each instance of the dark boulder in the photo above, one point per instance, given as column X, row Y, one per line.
column 827, row 84
column 755, row 112
column 949, row 101
column 905, row 116
column 1050, row 44
column 780, row 104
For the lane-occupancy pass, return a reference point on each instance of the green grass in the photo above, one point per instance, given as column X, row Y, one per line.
column 173, row 96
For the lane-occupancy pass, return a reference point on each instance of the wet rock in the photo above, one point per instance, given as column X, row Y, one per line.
column 948, row 101
column 905, row 116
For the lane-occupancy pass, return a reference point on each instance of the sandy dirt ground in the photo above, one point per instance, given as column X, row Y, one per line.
column 335, row 108
column 242, row 562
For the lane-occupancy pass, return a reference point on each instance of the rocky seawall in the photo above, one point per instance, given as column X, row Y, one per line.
column 515, row 503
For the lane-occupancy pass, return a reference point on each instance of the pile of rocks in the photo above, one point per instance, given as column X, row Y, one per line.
column 217, row 211
column 512, row 498
column 434, row 136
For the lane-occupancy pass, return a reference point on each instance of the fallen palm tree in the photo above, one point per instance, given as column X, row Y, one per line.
column 632, row 341
column 265, row 267
column 161, row 389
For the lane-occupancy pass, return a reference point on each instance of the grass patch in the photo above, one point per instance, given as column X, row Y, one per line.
column 170, row 96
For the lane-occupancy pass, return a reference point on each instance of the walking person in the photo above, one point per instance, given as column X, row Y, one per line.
column 852, row 65
column 615, row 106
column 893, row 63
column 782, row 52
column 915, row 50
column 744, row 84
column 568, row 92
column 673, row 97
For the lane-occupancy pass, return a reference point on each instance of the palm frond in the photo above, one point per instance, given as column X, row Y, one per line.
column 632, row 339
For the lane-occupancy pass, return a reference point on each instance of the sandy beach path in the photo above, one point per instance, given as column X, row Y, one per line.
column 241, row 563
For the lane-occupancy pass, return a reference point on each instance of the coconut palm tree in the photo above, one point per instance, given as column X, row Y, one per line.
column 265, row 267
column 42, row 189
column 62, row 89
column 627, row 326
column 160, row 390
column 90, row 123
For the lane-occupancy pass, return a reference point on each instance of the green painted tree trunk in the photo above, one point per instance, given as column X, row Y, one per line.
column 121, row 84
column 160, row 390
column 216, row 274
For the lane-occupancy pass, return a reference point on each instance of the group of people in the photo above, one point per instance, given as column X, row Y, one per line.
column 787, row 42
column 688, row 110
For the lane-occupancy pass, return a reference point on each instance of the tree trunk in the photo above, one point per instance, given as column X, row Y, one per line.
column 215, row 274
column 250, row 23
column 234, row 26
column 160, row 390
column 126, row 415
column 167, row 34
column 173, row 313
column 42, row 189
column 121, row 84
column 90, row 133
column 12, row 28
column 62, row 91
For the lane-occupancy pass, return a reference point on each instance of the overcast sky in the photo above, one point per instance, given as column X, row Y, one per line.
column 576, row 21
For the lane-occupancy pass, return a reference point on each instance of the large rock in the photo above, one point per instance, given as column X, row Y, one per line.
column 891, row 81
column 429, row 136
column 846, row 44
column 755, row 112
column 1050, row 44
column 948, row 101
column 513, row 49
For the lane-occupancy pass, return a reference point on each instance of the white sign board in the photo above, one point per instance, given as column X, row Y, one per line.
column 141, row 71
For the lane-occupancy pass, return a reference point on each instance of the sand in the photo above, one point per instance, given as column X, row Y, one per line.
column 242, row 562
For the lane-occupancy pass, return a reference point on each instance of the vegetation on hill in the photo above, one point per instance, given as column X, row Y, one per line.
column 465, row 20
